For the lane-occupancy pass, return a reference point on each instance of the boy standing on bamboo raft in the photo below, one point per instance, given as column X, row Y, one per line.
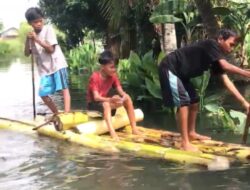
column 42, row 43
column 179, row 66
column 98, row 95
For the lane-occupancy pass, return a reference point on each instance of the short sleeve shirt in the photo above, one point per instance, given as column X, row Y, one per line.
column 48, row 63
column 191, row 61
column 102, row 86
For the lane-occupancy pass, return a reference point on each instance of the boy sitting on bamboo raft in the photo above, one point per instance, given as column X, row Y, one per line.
column 98, row 98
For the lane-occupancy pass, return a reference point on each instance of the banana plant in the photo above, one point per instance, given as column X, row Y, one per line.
column 201, row 84
column 140, row 76
column 190, row 23
column 164, row 18
column 83, row 57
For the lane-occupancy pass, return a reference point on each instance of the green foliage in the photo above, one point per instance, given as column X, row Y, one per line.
column 83, row 57
column 201, row 83
column 247, row 43
column 140, row 77
column 15, row 47
column 129, row 20
column 11, row 47
column 4, row 48
column 191, row 24
column 23, row 31
column 236, row 16
column 220, row 118
column 239, row 119
column 72, row 17
column 114, row 11
column 166, row 10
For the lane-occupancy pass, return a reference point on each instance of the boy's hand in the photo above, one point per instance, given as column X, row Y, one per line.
column 125, row 97
column 32, row 35
column 116, row 100
column 247, row 107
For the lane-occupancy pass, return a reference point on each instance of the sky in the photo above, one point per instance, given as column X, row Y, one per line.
column 12, row 11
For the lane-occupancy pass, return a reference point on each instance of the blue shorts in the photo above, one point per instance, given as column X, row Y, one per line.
column 49, row 84
column 175, row 91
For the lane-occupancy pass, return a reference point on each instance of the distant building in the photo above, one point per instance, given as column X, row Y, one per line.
column 10, row 33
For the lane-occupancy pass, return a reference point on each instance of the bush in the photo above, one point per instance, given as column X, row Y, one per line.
column 4, row 48
column 83, row 58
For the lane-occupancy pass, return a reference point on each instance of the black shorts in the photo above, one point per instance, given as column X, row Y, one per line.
column 175, row 91
column 97, row 106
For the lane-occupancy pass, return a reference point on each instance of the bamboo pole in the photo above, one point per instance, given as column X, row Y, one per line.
column 33, row 79
column 172, row 139
column 107, row 144
column 100, row 127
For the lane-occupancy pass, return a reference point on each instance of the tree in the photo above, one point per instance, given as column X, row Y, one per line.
column 129, row 25
column 164, row 18
column 209, row 21
column 72, row 17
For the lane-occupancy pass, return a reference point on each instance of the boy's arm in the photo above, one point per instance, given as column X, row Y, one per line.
column 233, row 69
column 99, row 98
column 231, row 87
column 48, row 48
column 120, row 91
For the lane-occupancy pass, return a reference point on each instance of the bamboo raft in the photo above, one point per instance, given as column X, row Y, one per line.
column 152, row 143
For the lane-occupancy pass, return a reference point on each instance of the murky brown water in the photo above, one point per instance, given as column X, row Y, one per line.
column 31, row 162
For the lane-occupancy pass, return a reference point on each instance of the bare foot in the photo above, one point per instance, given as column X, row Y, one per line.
column 196, row 136
column 114, row 136
column 189, row 147
column 136, row 132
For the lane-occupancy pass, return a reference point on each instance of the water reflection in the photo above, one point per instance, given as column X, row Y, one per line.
column 40, row 163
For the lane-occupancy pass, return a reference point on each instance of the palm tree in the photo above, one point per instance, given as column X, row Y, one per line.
column 126, row 20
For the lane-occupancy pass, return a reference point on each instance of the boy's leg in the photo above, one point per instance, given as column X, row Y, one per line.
column 175, row 95
column 107, row 117
column 106, row 110
column 182, row 115
column 48, row 101
column 67, row 100
column 61, row 83
column 46, row 88
column 193, row 110
column 128, row 104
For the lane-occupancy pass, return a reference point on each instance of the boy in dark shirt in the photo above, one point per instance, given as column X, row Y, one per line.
column 178, row 67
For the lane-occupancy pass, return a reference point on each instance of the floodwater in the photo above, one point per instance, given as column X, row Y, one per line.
column 31, row 162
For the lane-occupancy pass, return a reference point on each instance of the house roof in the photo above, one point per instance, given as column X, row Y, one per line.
column 9, row 32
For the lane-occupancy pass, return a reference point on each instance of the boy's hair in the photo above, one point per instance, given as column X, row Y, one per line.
column 33, row 13
column 106, row 57
column 226, row 33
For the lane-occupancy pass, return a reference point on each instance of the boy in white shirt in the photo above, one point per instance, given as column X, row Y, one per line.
column 51, row 63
